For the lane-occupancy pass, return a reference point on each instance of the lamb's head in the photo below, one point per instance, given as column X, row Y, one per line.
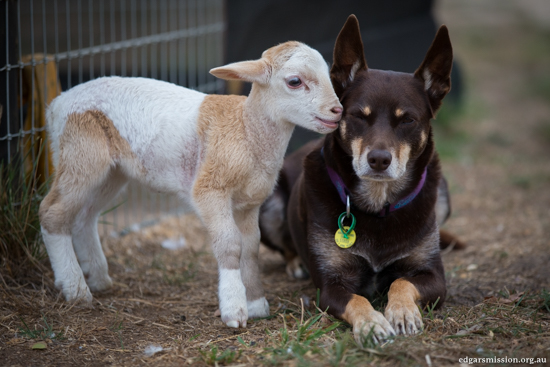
column 292, row 83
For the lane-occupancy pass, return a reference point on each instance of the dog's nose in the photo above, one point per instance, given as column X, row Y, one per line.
column 379, row 160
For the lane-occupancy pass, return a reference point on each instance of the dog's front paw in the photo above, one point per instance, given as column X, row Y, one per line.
column 257, row 308
column 404, row 316
column 232, row 294
column 373, row 326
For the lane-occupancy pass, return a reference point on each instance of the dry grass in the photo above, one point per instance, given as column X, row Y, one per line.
column 498, row 288
column 166, row 298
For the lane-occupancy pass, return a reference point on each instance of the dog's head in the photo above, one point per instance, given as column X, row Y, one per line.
column 386, row 120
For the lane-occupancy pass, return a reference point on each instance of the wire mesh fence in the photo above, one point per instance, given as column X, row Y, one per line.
column 49, row 46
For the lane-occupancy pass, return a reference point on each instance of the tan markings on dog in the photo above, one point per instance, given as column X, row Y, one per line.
column 356, row 145
column 367, row 111
column 365, row 319
column 403, row 290
column 343, row 129
column 423, row 138
column 374, row 194
column 399, row 112
column 357, row 308
column 403, row 155
column 402, row 311
column 92, row 137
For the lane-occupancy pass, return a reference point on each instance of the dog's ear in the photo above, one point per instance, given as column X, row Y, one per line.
column 348, row 55
column 255, row 71
column 435, row 70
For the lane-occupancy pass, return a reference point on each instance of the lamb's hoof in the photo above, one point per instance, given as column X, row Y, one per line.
column 232, row 296
column 235, row 321
column 99, row 283
column 257, row 308
column 234, row 314
column 233, row 324
column 80, row 296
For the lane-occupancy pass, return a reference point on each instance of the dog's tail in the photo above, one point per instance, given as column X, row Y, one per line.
column 450, row 241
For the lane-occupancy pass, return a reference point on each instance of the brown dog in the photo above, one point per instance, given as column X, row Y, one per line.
column 381, row 167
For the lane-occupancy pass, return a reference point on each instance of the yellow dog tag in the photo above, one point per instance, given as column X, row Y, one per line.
column 342, row 241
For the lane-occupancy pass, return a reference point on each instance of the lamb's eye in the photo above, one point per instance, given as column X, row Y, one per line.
column 294, row 82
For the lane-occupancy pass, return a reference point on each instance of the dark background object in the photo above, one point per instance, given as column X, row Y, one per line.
column 396, row 33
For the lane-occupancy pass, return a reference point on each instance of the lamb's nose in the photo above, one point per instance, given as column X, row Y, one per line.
column 337, row 111
column 379, row 160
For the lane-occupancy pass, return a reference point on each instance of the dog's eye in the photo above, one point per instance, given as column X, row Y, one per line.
column 407, row 120
column 294, row 82
column 358, row 115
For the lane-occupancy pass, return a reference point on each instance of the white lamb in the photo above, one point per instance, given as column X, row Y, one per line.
column 221, row 154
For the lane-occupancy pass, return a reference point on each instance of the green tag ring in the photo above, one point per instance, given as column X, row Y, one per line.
column 341, row 225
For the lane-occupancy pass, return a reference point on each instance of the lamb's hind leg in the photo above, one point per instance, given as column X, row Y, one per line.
column 56, row 216
column 85, row 235
column 83, row 167
column 58, row 211
column 247, row 220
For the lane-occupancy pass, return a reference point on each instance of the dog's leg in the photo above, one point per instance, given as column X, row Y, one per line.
column 247, row 221
column 294, row 266
column 216, row 210
column 357, row 311
column 405, row 294
column 402, row 309
column 86, row 238
column 366, row 321
column 276, row 235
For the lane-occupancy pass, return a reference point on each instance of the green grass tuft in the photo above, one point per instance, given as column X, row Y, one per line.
column 20, row 237
column 44, row 332
column 214, row 356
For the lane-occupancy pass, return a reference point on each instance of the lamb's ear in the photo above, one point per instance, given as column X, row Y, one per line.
column 435, row 70
column 348, row 56
column 256, row 71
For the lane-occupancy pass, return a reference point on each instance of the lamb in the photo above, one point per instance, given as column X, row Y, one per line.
column 220, row 154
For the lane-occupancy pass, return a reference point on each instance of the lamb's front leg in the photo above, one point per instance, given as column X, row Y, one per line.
column 217, row 213
column 247, row 220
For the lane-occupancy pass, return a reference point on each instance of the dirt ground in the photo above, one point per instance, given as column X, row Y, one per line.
column 496, row 156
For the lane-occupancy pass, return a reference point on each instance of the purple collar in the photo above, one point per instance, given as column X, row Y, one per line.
column 344, row 192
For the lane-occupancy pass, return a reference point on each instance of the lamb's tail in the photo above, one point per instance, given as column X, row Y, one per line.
column 56, row 118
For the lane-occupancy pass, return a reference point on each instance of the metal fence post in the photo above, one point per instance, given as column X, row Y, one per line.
column 9, row 128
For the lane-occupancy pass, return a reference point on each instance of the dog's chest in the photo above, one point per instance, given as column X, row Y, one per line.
column 377, row 254
column 366, row 252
